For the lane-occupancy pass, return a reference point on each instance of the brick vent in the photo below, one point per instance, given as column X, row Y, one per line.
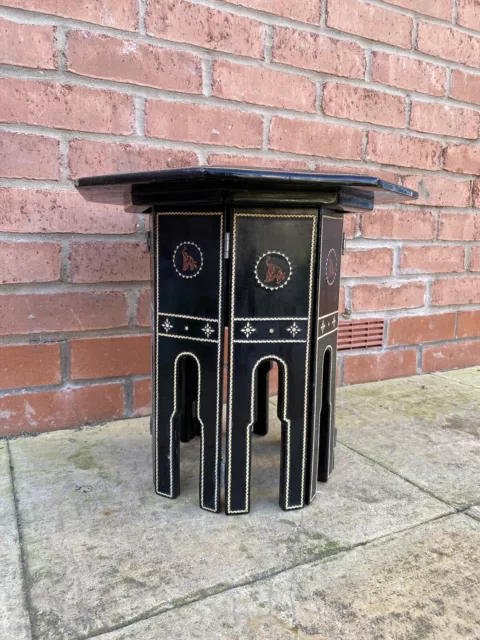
column 360, row 334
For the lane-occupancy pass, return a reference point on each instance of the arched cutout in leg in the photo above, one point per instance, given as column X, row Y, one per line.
column 326, row 432
column 260, row 426
column 188, row 422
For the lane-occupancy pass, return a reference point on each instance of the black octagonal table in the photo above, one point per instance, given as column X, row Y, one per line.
column 259, row 252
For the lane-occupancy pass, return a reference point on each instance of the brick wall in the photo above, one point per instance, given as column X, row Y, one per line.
column 388, row 88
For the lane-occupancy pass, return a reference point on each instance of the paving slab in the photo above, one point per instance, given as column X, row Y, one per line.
column 102, row 550
column 474, row 512
column 418, row 585
column 470, row 376
column 427, row 429
column 14, row 622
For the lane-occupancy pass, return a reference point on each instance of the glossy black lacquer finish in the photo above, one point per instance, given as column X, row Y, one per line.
column 260, row 252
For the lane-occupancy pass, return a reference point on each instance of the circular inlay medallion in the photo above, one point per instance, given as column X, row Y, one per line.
column 273, row 270
column 331, row 267
column 188, row 260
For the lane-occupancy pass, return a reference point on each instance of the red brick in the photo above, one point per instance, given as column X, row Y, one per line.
column 25, row 156
column 439, row 192
column 476, row 203
column 372, row 262
column 448, row 43
column 109, row 262
column 398, row 224
column 263, row 86
column 48, row 104
column 363, row 105
column 49, row 410
column 313, row 51
column 27, row 45
column 391, row 148
column 441, row 9
column 32, row 211
column 218, row 159
column 364, row 170
column 111, row 13
column 468, row 324
column 456, row 291
column 370, row 367
column 350, row 225
column 315, row 138
column 370, row 21
column 110, row 357
column 99, row 56
column 204, row 124
column 142, row 397
column 378, row 297
column 144, row 311
column 445, row 120
column 29, row 365
column 182, row 21
column 451, row 356
column 456, row 226
column 29, row 262
column 89, row 158
column 432, row 259
column 56, row 312
column 475, row 259
column 469, row 14
column 419, row 329
column 305, row 11
column 465, row 86
column 341, row 304
column 409, row 73
column 462, row 158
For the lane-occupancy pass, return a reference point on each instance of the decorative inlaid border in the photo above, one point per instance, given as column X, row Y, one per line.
column 219, row 364
column 179, row 315
column 313, row 217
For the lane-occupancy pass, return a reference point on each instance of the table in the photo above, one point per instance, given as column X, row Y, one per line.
column 258, row 252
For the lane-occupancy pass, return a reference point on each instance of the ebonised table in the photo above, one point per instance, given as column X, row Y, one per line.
column 258, row 252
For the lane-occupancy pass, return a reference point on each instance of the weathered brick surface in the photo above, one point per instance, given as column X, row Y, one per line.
column 449, row 43
column 469, row 14
column 305, row 11
column 262, row 86
column 111, row 13
column 456, row 291
column 475, row 259
column 110, row 357
column 439, row 192
column 445, row 120
column 405, row 151
column 456, row 226
column 26, row 156
column 27, row 45
column 365, row 105
column 398, row 224
column 65, row 106
column 29, row 262
column 462, row 158
column 109, row 262
column 409, row 73
column 221, row 160
column 418, row 329
column 142, row 397
column 183, row 21
column 57, row 312
column 468, row 324
column 375, row 297
column 134, row 62
column 315, row 138
column 451, row 356
column 441, row 9
column 213, row 125
column 40, row 211
column 60, row 409
column 432, row 259
column 370, row 367
column 373, row 262
column 319, row 53
column 465, row 86
column 29, row 365
column 143, row 317
column 370, row 21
